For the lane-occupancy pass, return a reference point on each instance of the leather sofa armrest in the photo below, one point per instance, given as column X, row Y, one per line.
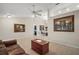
column 10, row 42
column 1, row 42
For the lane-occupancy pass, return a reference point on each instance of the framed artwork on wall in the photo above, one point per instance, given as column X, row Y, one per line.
column 41, row 27
column 35, row 30
column 43, row 30
column 64, row 24
column 35, row 33
column 19, row 27
column 35, row 27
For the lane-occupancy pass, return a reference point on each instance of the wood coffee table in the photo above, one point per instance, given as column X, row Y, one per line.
column 40, row 46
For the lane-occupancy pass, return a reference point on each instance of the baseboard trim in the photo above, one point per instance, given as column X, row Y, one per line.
column 62, row 43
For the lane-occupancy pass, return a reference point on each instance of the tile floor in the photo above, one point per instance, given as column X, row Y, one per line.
column 54, row 48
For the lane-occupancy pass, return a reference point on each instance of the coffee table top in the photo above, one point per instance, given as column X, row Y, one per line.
column 40, row 41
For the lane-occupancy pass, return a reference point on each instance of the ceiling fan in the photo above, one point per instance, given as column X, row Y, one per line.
column 36, row 12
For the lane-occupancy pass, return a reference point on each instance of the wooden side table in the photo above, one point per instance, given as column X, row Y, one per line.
column 40, row 46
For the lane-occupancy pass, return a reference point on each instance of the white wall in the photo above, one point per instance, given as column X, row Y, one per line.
column 7, row 27
column 66, row 38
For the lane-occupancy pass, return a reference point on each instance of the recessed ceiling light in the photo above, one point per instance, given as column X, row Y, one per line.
column 9, row 16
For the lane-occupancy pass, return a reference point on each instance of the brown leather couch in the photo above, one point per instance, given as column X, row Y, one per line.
column 11, row 48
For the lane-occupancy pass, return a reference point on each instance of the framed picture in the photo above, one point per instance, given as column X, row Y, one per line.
column 46, row 28
column 41, row 27
column 35, row 27
column 35, row 33
column 35, row 30
column 64, row 24
column 43, row 30
column 19, row 27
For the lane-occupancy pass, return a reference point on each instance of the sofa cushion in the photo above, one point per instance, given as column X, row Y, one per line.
column 0, row 41
column 17, row 51
column 12, row 47
column 2, row 45
column 3, row 50
column 10, row 42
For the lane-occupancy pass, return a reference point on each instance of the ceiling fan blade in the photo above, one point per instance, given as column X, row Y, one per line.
column 39, row 11
column 38, row 14
column 57, row 3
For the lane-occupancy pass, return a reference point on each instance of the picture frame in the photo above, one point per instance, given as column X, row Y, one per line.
column 35, row 30
column 35, row 33
column 41, row 27
column 43, row 30
column 35, row 27
column 19, row 27
column 64, row 24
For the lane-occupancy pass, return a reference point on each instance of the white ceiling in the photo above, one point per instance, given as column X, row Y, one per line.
column 64, row 8
column 25, row 9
